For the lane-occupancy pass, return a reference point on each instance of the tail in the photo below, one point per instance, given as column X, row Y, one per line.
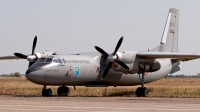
column 169, row 41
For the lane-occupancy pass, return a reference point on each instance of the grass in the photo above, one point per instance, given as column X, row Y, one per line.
column 167, row 87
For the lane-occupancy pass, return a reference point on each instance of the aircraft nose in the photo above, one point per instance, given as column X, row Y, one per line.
column 35, row 73
column 35, row 77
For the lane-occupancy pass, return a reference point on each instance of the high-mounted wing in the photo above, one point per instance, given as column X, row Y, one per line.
column 173, row 55
column 9, row 57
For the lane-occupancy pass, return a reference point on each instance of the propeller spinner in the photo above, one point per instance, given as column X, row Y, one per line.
column 111, row 57
column 31, row 57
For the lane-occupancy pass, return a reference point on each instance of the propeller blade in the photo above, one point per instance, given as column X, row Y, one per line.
column 34, row 44
column 106, row 70
column 122, row 64
column 101, row 51
column 30, row 63
column 20, row 55
column 118, row 45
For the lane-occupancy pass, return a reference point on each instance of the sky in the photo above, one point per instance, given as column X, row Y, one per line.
column 78, row 25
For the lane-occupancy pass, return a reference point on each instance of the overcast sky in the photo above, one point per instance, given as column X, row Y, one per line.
column 79, row 25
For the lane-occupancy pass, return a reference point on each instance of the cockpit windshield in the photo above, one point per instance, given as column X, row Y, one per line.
column 41, row 60
column 60, row 61
column 50, row 60
column 55, row 60
column 64, row 61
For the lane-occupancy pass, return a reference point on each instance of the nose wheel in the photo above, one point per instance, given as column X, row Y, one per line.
column 63, row 91
column 46, row 92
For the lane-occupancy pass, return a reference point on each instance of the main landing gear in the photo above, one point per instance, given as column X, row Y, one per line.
column 61, row 91
column 142, row 91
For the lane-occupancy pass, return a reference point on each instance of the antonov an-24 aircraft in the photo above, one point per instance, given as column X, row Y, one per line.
column 102, row 69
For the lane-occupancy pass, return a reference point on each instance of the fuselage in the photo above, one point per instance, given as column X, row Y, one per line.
column 86, row 69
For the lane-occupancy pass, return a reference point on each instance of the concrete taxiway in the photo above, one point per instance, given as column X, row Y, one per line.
column 100, row 104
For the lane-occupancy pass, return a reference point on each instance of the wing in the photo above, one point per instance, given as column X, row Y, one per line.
column 178, row 56
column 9, row 57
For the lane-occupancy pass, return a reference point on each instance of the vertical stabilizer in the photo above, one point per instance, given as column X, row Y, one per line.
column 169, row 41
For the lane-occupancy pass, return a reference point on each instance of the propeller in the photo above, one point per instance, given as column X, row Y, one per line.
column 111, row 57
column 32, row 56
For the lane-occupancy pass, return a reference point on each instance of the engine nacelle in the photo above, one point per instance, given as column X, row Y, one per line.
column 128, row 58
column 118, row 68
column 149, row 66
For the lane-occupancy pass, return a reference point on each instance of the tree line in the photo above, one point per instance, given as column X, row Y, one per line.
column 15, row 74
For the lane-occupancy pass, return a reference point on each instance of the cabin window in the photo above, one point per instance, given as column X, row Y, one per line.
column 41, row 59
column 55, row 60
column 60, row 61
column 48, row 60
column 64, row 60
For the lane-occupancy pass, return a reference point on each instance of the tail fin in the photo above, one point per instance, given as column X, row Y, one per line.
column 169, row 41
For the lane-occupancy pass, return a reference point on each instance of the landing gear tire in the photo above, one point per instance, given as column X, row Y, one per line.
column 47, row 92
column 63, row 91
column 142, row 92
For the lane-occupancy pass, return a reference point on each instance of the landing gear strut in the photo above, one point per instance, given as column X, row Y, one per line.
column 63, row 91
column 46, row 92
column 142, row 91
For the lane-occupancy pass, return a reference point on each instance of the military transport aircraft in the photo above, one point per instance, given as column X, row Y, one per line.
column 102, row 69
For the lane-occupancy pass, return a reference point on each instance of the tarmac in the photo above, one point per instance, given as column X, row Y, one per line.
column 20, row 103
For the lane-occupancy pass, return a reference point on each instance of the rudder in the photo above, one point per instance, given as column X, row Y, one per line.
column 169, row 41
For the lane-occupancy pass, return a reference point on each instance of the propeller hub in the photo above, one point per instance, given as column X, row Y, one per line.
column 111, row 58
column 31, row 58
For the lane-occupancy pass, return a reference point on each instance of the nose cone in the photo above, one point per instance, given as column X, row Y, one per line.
column 35, row 77
column 35, row 73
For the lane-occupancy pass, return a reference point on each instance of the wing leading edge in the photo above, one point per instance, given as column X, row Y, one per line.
column 9, row 57
column 173, row 55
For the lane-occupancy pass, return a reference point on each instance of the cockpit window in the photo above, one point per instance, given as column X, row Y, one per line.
column 59, row 60
column 48, row 60
column 41, row 59
column 64, row 60
column 55, row 60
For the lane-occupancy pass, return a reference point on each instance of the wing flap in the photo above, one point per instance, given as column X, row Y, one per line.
column 173, row 55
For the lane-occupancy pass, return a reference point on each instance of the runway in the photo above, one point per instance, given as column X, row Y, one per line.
column 98, row 104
